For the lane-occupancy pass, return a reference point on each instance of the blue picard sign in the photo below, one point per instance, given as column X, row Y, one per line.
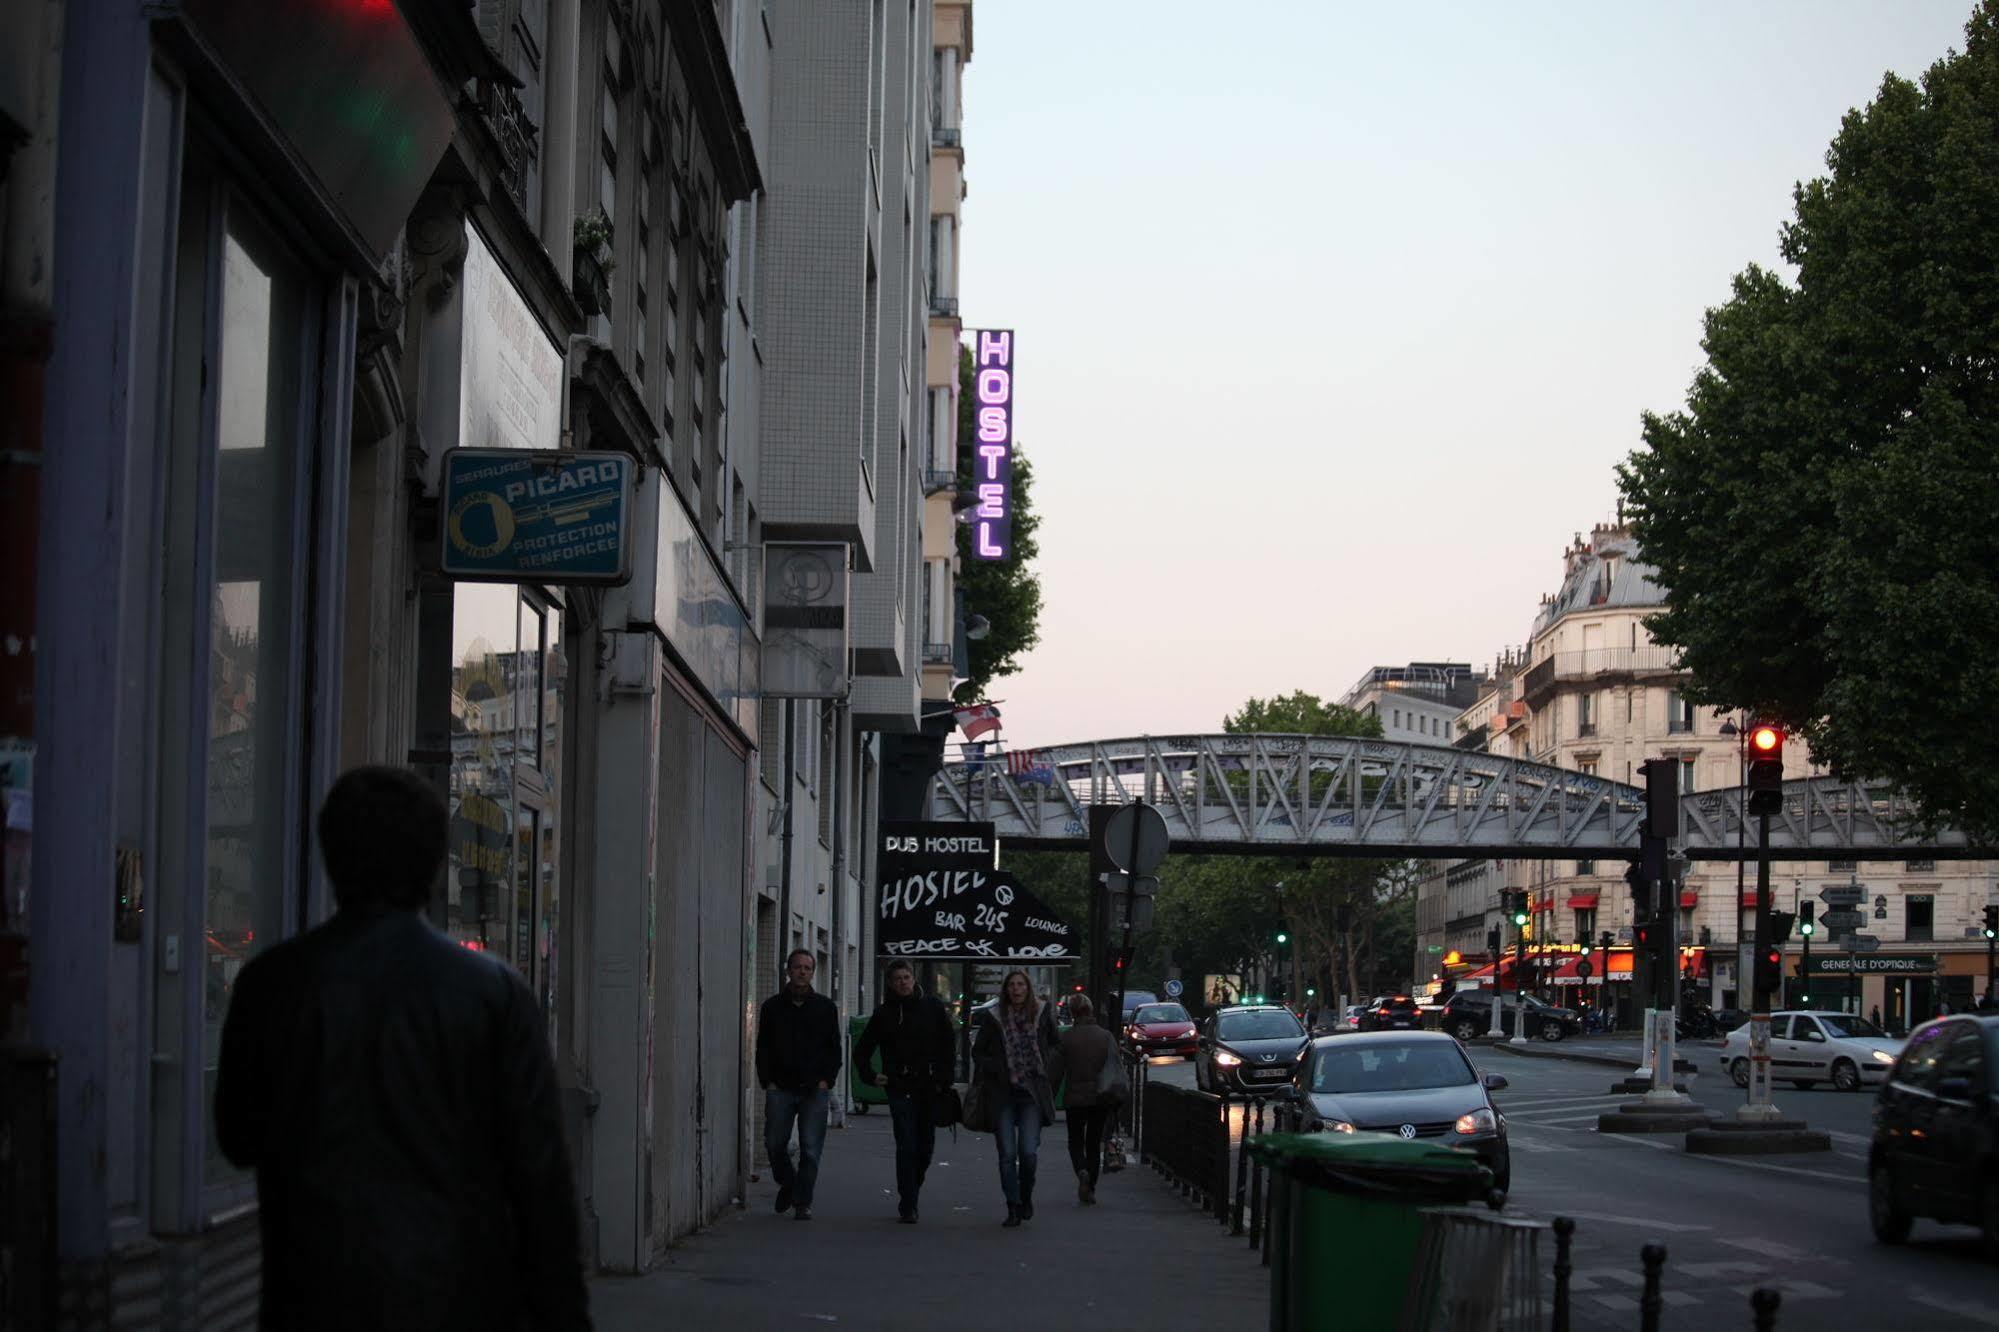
column 533, row 516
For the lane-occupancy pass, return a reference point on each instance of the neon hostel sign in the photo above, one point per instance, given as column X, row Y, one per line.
column 992, row 458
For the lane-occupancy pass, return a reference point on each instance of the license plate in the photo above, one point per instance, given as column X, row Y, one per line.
column 1270, row 1073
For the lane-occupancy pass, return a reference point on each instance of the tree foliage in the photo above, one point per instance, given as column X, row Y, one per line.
column 1007, row 592
column 1221, row 913
column 1825, row 509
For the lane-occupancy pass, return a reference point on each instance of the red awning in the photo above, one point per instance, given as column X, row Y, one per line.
column 1583, row 902
column 1485, row 972
column 1688, row 897
column 1566, row 973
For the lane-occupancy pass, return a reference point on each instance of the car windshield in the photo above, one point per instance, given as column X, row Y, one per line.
column 1404, row 1067
column 1838, row 1025
column 1403, row 1001
column 1257, row 1026
column 1160, row 1013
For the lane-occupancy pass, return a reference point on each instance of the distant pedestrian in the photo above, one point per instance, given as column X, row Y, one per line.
column 397, row 1097
column 1085, row 1049
column 798, row 1057
column 1874, row 1016
column 1014, row 1043
column 913, row 1032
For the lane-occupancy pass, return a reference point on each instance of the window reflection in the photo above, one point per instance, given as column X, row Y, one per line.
column 251, row 616
column 507, row 682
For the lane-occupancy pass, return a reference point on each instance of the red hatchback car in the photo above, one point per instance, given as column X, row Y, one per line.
column 1161, row 1029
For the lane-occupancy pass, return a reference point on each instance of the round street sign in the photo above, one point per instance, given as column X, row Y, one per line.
column 1173, row 989
column 1135, row 839
column 1585, row 969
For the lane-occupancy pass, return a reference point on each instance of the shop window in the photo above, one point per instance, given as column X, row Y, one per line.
column 237, row 518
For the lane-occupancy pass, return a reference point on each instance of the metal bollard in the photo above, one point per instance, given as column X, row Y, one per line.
column 1649, row 1303
column 1241, row 1174
column 1565, row 1231
column 1764, row 1302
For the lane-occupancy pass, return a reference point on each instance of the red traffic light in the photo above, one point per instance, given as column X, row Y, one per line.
column 1766, row 741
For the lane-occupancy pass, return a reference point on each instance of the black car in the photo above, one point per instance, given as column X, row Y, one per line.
column 1468, row 1013
column 1248, row 1049
column 1395, row 1012
column 1936, row 1132
column 1415, row 1084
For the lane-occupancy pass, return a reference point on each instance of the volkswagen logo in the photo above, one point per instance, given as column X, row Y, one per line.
column 1270, row 1059
column 1407, row 1130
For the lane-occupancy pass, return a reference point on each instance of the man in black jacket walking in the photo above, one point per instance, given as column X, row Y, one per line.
column 396, row 1095
column 798, row 1057
column 913, row 1032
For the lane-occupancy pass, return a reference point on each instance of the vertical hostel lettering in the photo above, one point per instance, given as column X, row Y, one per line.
column 992, row 465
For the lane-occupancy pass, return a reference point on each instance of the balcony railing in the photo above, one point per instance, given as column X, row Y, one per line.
column 943, row 307
column 944, row 136
column 937, row 654
column 936, row 479
column 1594, row 663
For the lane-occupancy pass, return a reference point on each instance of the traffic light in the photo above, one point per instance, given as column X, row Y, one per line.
column 1780, row 925
column 1992, row 922
column 1769, row 968
column 1283, row 938
column 1662, row 798
column 1114, row 961
column 1517, row 909
column 1766, row 768
column 1641, row 891
column 1604, row 941
column 1806, row 925
column 1643, row 933
column 1492, row 941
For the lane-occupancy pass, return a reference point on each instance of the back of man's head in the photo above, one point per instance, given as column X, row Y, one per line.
column 382, row 833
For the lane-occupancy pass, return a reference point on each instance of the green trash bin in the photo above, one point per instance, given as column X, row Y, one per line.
column 1346, row 1221
column 862, row 1089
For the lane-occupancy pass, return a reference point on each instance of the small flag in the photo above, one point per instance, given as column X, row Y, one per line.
column 973, row 751
column 977, row 720
column 1030, row 766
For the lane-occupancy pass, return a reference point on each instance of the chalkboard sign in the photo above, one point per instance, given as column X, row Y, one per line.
column 942, row 899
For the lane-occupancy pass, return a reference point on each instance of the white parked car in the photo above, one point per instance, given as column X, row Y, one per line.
column 1849, row 1052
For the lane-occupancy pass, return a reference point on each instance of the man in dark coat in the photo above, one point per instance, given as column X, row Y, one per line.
column 913, row 1033
column 798, row 1057
column 396, row 1095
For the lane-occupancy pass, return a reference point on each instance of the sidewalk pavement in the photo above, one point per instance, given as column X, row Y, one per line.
column 1141, row 1257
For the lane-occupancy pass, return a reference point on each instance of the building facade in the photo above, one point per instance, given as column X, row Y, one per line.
column 563, row 225
column 1419, row 703
column 1592, row 693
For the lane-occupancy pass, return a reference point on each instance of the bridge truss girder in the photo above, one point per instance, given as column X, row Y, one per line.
column 1335, row 795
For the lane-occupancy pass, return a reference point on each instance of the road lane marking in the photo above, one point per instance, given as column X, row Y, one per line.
column 1670, row 1227
column 1977, row 1313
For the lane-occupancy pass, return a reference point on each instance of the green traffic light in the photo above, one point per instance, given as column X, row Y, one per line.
column 1310, row 991
column 1807, row 929
column 1282, row 937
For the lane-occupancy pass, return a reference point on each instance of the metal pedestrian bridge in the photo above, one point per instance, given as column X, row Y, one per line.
column 1340, row 795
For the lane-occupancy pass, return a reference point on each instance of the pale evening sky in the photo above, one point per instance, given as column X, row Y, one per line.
column 1333, row 319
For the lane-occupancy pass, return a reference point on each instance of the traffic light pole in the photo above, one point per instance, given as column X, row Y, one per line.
column 1759, row 1107
column 1519, row 985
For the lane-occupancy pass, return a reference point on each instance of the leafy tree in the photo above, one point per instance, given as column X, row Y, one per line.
column 1822, row 511
column 1007, row 592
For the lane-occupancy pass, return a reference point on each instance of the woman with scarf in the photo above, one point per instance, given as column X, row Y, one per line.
column 1011, row 1052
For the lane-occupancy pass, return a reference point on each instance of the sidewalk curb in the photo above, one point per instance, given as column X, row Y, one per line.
column 1562, row 1050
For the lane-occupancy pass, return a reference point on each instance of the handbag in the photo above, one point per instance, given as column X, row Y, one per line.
column 947, row 1110
column 976, row 1112
column 1112, row 1087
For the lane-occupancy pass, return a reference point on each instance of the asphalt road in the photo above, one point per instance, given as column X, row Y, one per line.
column 1794, row 1223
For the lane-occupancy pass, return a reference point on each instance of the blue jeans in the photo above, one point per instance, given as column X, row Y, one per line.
column 915, row 1140
column 1017, row 1129
column 808, row 1108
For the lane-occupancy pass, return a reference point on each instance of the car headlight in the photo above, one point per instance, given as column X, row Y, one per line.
column 1478, row 1121
column 1883, row 1057
column 1227, row 1060
column 1331, row 1126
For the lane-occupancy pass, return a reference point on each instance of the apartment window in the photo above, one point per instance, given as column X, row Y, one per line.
column 1841, row 866
column 1686, row 926
column 943, row 432
column 1919, row 866
column 1687, row 776
column 1922, row 918
column 641, row 277
column 1587, row 767
column 1585, row 714
column 1585, row 923
column 1679, row 714
column 1585, row 867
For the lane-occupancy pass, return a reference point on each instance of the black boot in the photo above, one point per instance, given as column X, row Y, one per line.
column 1012, row 1217
column 1026, row 1205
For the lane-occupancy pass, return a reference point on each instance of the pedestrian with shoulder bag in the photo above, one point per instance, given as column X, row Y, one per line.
column 1011, row 1055
column 1095, row 1088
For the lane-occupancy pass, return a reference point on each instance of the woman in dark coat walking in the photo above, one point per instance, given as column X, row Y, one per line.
column 1085, row 1049
column 1012, row 1049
